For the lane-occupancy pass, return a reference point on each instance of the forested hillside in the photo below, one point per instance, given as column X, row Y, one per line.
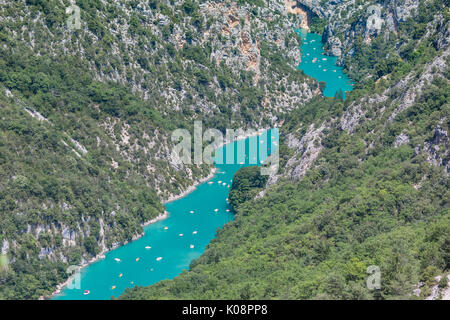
column 362, row 182
column 86, row 116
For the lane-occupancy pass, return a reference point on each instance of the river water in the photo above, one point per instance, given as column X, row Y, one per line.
column 321, row 67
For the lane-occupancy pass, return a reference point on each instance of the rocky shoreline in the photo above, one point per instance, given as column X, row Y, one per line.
column 192, row 187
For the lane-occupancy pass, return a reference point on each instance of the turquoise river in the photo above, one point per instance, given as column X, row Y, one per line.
column 322, row 67
column 169, row 246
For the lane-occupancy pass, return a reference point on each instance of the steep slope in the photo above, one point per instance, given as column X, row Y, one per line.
column 363, row 183
column 87, row 115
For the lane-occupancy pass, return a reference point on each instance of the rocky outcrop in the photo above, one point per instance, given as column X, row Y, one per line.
column 436, row 149
column 401, row 140
column 438, row 290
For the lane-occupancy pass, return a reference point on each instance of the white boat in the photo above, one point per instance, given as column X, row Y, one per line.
column 86, row 292
column 165, row 228
column 224, row 184
column 210, row 182
column 215, row 210
column 159, row 259
column 192, row 211
column 117, row 259
column 180, row 234
column 195, row 232
column 191, row 246
column 228, row 210
column 148, row 247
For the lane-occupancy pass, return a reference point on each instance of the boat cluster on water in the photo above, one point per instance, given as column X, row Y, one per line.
column 191, row 246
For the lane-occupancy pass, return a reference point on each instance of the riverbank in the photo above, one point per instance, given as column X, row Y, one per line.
column 211, row 174
column 214, row 169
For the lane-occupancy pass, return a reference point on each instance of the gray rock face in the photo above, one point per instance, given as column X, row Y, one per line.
column 401, row 139
column 315, row 6
column 437, row 149
column 306, row 150
column 5, row 246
